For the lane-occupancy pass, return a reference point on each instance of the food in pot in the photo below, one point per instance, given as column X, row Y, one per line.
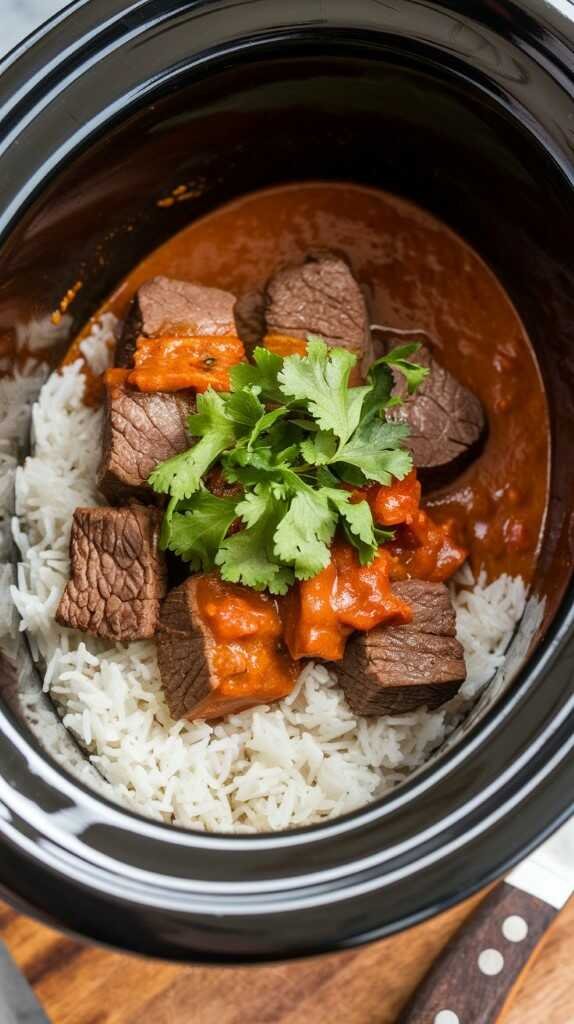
column 321, row 611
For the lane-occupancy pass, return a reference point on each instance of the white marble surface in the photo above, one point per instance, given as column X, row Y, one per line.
column 19, row 17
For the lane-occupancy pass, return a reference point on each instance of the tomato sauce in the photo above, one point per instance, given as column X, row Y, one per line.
column 418, row 274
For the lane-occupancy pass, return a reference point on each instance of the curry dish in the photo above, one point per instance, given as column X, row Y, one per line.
column 322, row 405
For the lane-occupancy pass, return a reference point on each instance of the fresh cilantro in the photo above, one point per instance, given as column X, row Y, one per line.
column 255, row 467
column 321, row 380
column 398, row 358
column 357, row 514
column 196, row 533
column 245, row 409
column 264, row 423
column 254, row 506
column 248, row 557
column 303, row 536
column 366, row 552
column 383, row 536
column 181, row 475
column 374, row 450
column 319, row 449
column 262, row 373
column 290, row 432
column 379, row 397
column 356, row 519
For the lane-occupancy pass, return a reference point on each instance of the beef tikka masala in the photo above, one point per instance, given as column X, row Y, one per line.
column 322, row 404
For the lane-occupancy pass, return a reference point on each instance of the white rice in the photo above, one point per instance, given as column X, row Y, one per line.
column 303, row 760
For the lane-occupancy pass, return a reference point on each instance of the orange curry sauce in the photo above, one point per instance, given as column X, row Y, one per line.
column 320, row 613
column 248, row 662
column 173, row 363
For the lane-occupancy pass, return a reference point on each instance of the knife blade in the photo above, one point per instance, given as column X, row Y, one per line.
column 548, row 872
column 472, row 979
column 18, row 1003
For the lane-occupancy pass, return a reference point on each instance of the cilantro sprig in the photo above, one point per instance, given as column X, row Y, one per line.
column 290, row 434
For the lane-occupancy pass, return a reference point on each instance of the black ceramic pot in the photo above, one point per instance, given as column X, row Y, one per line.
column 467, row 109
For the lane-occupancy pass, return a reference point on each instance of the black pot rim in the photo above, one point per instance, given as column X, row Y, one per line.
column 86, row 859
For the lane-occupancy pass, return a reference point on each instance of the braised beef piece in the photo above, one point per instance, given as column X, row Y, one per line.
column 117, row 573
column 320, row 296
column 184, row 649
column 163, row 305
column 140, row 430
column 446, row 420
column 394, row 669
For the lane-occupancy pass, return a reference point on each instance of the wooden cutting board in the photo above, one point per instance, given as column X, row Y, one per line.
column 81, row 985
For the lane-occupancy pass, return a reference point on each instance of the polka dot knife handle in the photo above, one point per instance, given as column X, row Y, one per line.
column 473, row 978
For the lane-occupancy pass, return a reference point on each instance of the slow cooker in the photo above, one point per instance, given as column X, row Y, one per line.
column 467, row 109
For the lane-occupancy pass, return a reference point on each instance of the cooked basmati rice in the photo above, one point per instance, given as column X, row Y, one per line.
column 303, row 760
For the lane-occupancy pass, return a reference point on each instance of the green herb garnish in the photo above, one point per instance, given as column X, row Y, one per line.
column 291, row 433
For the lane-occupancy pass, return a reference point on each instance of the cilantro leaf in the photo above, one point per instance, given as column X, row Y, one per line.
column 326, row 477
column 211, row 414
column 262, row 373
column 379, row 397
column 403, row 351
column 413, row 373
column 305, row 532
column 319, row 449
column 357, row 514
column 248, row 556
column 265, row 423
column 365, row 552
column 256, row 467
column 373, row 450
column 253, row 506
column 196, row 533
column 350, row 475
column 321, row 380
column 244, row 408
column 357, row 521
column 181, row 475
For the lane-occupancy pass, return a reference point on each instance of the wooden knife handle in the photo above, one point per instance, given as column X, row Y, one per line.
column 473, row 977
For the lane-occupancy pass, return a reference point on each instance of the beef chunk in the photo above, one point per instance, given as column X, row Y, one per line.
column 163, row 305
column 446, row 422
column 117, row 573
column 320, row 296
column 184, row 647
column 140, row 430
column 220, row 649
column 394, row 669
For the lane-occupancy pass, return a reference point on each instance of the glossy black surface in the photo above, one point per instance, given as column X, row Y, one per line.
column 469, row 114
